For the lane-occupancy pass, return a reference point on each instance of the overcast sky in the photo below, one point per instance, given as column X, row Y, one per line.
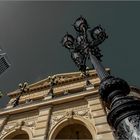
column 30, row 34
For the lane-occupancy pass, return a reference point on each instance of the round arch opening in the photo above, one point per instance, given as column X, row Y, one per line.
column 17, row 135
column 73, row 129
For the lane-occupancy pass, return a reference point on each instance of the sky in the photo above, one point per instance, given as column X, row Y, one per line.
column 30, row 34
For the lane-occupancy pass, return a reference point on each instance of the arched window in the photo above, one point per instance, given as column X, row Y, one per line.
column 73, row 128
column 74, row 131
column 17, row 135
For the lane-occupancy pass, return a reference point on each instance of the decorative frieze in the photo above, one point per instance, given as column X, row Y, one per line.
column 31, row 123
column 81, row 111
column 18, row 121
column 17, row 125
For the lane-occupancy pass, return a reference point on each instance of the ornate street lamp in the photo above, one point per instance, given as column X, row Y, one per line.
column 23, row 89
column 124, row 115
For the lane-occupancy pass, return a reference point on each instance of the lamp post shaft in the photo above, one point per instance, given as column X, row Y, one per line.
column 124, row 115
column 102, row 74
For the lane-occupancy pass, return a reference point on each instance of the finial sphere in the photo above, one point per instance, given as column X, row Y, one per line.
column 81, row 25
column 98, row 35
column 68, row 41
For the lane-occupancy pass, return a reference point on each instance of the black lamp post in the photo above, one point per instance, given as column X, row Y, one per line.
column 124, row 115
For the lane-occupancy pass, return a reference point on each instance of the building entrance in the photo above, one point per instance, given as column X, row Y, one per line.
column 74, row 131
column 17, row 135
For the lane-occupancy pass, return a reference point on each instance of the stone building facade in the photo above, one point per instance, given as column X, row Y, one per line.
column 74, row 111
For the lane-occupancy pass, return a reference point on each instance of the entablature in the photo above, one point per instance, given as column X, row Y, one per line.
column 50, row 102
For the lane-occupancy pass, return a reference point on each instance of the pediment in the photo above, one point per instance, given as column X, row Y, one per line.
column 61, row 79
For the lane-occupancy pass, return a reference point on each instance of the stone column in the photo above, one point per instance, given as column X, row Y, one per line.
column 98, row 118
column 3, row 120
column 42, row 126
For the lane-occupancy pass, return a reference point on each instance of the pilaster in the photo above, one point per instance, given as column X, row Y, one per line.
column 3, row 121
column 42, row 126
column 103, row 130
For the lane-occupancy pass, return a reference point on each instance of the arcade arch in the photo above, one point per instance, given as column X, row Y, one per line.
column 78, row 128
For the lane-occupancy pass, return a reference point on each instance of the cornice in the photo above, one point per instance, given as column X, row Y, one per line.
column 55, row 101
column 135, row 89
column 64, row 78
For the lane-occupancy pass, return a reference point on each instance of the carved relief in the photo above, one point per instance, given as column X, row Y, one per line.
column 14, row 126
column 30, row 123
column 58, row 118
column 17, row 124
column 8, row 128
column 69, row 114
column 82, row 111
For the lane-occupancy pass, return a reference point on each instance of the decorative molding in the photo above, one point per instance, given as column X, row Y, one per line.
column 18, row 125
column 8, row 128
column 58, row 118
column 60, row 78
column 81, row 111
column 31, row 123
column 69, row 114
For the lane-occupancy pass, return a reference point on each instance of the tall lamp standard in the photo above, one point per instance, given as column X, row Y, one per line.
column 124, row 114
